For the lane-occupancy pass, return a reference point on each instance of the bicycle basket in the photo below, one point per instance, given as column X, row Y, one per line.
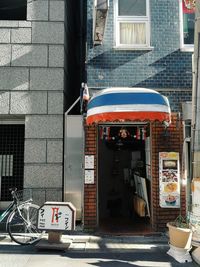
column 23, row 195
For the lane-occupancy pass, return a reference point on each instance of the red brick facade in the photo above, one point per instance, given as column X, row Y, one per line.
column 90, row 190
column 171, row 140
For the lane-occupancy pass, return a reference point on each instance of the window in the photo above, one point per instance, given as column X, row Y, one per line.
column 132, row 23
column 188, row 19
column 11, row 158
column 13, row 9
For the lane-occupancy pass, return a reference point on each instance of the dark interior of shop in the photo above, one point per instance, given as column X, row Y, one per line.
column 123, row 187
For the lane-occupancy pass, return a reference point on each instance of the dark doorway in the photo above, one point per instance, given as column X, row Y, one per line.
column 121, row 166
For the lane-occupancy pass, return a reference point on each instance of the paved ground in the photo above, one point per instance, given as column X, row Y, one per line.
column 91, row 251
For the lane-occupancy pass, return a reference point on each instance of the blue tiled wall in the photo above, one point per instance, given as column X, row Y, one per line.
column 163, row 67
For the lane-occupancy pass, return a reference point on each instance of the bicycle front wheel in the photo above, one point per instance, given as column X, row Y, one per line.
column 22, row 224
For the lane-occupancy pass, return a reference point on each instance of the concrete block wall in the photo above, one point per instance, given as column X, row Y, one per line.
column 164, row 67
column 32, row 87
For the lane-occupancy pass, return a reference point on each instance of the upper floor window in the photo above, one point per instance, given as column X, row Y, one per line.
column 13, row 9
column 188, row 21
column 132, row 23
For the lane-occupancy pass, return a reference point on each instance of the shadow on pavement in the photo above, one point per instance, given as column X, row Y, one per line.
column 140, row 254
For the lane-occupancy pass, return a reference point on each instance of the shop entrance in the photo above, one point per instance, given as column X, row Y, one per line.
column 124, row 182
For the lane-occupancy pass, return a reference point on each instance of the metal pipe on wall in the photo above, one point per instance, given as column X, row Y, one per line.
column 195, row 157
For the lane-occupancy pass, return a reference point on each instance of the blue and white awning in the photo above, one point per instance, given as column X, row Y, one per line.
column 128, row 104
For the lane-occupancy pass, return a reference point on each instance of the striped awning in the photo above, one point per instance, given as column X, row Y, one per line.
column 127, row 104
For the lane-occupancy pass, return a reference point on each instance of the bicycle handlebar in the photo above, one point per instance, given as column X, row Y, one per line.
column 12, row 189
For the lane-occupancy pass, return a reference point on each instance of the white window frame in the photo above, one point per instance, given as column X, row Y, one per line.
column 133, row 19
column 184, row 47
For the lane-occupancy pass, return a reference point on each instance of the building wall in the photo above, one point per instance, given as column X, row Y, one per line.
column 172, row 142
column 164, row 67
column 32, row 85
column 90, row 190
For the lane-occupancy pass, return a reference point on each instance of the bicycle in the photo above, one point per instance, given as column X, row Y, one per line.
column 21, row 223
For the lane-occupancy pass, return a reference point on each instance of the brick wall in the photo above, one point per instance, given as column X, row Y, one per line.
column 173, row 141
column 164, row 67
column 90, row 190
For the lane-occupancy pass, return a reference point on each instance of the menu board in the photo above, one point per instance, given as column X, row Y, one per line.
column 89, row 176
column 169, row 177
column 89, row 161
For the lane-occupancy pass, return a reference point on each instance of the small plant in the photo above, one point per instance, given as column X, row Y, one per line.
column 180, row 233
column 181, row 222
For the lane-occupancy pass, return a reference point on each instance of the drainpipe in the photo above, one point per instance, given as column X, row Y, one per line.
column 195, row 157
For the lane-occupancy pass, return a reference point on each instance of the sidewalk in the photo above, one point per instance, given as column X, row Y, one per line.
column 145, row 250
column 81, row 242
column 95, row 243
column 84, row 242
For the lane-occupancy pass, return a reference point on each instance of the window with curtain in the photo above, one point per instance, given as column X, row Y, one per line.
column 132, row 23
column 188, row 19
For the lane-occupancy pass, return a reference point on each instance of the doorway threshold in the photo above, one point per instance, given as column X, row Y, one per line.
column 126, row 227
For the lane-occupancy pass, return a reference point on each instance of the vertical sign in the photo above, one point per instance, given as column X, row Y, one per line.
column 89, row 161
column 169, row 177
column 89, row 169
column 89, row 176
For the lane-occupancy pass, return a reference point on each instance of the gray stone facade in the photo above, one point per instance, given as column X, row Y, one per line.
column 32, row 87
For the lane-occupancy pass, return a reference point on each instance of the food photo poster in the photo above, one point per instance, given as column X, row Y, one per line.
column 169, row 179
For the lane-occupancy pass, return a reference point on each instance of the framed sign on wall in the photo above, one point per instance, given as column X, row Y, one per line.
column 169, row 179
